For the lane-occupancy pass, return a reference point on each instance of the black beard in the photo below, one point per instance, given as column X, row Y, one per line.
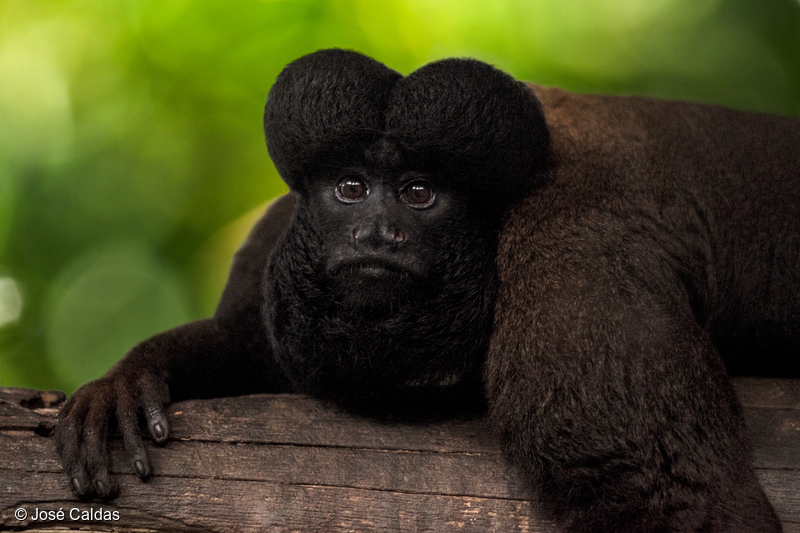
column 386, row 344
column 375, row 295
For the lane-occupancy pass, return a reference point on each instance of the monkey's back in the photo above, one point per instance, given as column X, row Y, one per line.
column 716, row 192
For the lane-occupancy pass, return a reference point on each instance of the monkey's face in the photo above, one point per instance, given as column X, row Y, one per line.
column 383, row 284
column 387, row 234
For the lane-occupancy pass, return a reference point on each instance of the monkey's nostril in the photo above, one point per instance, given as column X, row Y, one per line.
column 399, row 236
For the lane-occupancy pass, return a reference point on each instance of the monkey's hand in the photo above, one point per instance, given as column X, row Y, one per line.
column 119, row 397
column 202, row 359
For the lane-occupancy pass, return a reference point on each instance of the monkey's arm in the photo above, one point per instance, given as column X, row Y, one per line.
column 228, row 354
column 605, row 388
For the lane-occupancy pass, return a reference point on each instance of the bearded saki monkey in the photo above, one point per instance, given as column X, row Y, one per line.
column 589, row 269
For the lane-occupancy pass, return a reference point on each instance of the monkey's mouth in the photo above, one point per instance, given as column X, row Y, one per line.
column 373, row 268
column 376, row 287
column 377, row 268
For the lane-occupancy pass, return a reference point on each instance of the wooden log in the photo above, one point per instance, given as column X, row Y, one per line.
column 289, row 463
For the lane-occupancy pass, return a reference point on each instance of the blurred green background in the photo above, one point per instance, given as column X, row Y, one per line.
column 132, row 160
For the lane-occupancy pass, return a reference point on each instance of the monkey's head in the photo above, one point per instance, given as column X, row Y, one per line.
column 384, row 284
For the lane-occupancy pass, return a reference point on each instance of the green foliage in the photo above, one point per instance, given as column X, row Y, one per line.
column 132, row 159
column 119, row 288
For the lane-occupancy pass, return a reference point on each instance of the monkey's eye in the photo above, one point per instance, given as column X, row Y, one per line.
column 418, row 194
column 351, row 190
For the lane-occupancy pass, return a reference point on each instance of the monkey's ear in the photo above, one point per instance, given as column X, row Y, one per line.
column 483, row 127
column 321, row 108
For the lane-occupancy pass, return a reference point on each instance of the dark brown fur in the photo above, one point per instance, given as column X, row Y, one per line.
column 666, row 234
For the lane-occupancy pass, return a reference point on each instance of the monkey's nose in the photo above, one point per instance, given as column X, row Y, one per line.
column 378, row 233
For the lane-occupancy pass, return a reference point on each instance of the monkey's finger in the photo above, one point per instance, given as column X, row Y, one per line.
column 69, row 432
column 95, row 453
column 153, row 395
column 157, row 423
column 128, row 423
column 152, row 403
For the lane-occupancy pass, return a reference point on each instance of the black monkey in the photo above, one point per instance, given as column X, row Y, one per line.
column 587, row 266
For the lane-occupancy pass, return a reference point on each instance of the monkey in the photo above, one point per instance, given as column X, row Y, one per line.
column 585, row 270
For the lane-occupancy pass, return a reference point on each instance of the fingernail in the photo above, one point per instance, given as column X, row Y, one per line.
column 158, row 431
column 100, row 488
column 77, row 488
column 138, row 465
